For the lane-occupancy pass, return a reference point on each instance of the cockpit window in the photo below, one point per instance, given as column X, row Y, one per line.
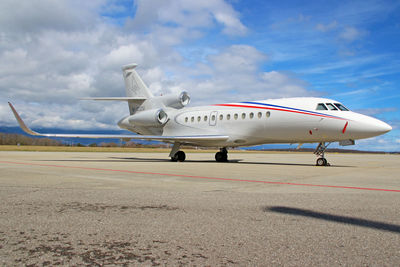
column 321, row 106
column 331, row 106
column 341, row 107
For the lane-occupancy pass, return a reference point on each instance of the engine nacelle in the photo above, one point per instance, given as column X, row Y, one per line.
column 175, row 101
column 152, row 117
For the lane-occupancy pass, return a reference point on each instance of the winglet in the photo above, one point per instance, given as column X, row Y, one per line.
column 21, row 122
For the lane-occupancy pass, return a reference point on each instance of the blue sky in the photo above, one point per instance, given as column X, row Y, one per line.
column 52, row 52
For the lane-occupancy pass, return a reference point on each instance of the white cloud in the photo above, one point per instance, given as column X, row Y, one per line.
column 327, row 27
column 188, row 14
column 238, row 59
column 233, row 74
column 375, row 111
column 379, row 143
column 284, row 85
column 233, row 26
column 351, row 34
column 51, row 58
column 118, row 57
column 40, row 15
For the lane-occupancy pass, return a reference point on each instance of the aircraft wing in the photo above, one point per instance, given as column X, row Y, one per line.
column 138, row 99
column 184, row 139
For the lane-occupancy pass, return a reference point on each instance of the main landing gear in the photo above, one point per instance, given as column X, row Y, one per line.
column 222, row 155
column 179, row 156
column 176, row 154
column 320, row 152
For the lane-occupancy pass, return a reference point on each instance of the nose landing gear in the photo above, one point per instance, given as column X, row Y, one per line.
column 320, row 152
column 322, row 162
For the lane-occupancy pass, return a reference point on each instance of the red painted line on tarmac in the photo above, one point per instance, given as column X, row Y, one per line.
column 202, row 177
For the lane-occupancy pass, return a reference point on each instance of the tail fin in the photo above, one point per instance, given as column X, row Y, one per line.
column 135, row 87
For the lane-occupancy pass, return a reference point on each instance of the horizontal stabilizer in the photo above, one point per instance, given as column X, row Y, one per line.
column 183, row 139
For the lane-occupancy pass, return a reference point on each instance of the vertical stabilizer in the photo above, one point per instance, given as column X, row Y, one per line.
column 135, row 87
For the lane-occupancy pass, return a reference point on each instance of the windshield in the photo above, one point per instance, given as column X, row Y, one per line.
column 331, row 106
column 321, row 106
column 341, row 107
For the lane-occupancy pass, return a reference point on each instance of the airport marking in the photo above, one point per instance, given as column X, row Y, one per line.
column 202, row 177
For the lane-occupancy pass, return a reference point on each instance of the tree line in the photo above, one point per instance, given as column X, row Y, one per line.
column 19, row 139
column 23, row 140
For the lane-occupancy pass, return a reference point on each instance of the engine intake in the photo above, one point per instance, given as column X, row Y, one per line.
column 153, row 117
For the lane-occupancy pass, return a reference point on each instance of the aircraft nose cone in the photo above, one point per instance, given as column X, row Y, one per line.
column 364, row 127
column 377, row 127
column 383, row 127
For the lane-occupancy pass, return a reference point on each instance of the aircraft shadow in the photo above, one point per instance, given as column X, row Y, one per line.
column 231, row 161
column 335, row 218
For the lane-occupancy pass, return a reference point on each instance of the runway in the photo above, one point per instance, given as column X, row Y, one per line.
column 141, row 209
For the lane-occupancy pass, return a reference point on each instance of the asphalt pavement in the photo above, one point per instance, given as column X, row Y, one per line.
column 140, row 209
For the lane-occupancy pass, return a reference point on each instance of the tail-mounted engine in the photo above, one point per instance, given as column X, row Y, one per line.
column 152, row 117
column 175, row 101
column 154, row 113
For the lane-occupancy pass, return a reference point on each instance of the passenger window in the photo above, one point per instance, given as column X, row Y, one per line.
column 198, row 118
column 213, row 117
column 259, row 115
column 321, row 106
column 331, row 106
column 186, row 119
column 341, row 107
column 251, row 115
column 228, row 117
column 243, row 115
column 192, row 119
column 268, row 114
column 205, row 118
column 221, row 117
column 236, row 116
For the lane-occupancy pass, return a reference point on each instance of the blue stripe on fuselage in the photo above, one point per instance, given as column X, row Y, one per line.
column 302, row 110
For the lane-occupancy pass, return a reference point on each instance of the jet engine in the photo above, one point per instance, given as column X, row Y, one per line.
column 152, row 117
column 175, row 101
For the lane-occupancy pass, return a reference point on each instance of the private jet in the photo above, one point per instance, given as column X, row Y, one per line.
column 167, row 119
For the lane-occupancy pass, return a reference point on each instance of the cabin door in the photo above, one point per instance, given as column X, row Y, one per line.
column 213, row 118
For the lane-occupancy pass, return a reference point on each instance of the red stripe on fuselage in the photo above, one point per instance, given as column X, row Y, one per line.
column 278, row 109
column 345, row 127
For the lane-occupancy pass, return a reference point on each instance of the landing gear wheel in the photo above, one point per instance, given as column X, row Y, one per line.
column 320, row 152
column 322, row 162
column 221, row 157
column 179, row 156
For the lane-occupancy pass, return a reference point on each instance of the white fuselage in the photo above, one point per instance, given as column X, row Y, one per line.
column 287, row 120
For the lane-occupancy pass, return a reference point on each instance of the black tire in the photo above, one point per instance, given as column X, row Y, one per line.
column 221, row 157
column 181, row 156
column 322, row 162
